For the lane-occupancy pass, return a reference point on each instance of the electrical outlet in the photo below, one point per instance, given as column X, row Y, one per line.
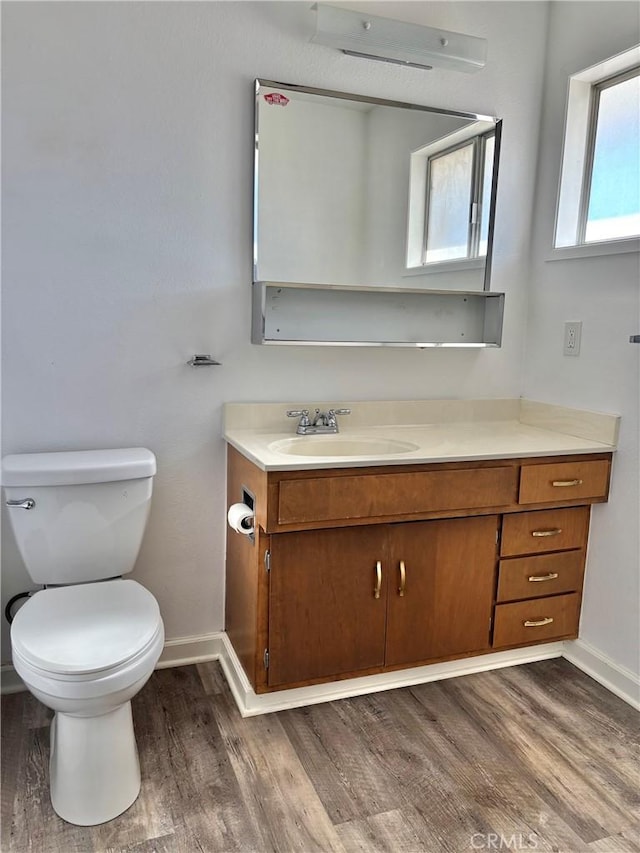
column 572, row 335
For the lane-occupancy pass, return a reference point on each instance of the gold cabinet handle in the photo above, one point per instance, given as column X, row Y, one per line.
column 378, row 586
column 554, row 531
column 550, row 577
column 562, row 483
column 403, row 578
column 535, row 623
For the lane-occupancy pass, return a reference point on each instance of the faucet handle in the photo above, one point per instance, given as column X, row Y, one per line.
column 303, row 414
column 332, row 420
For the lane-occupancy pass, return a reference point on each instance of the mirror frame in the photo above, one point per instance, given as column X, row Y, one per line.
column 497, row 122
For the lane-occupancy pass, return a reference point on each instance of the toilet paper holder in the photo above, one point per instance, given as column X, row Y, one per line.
column 249, row 499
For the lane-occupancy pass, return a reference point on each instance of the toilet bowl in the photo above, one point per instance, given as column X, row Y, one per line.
column 85, row 649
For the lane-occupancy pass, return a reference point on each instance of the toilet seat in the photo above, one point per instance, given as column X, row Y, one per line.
column 87, row 628
column 87, row 640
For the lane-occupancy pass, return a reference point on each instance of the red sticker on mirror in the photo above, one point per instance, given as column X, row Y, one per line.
column 276, row 98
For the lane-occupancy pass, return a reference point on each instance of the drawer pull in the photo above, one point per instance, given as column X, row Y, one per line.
column 378, row 586
column 536, row 578
column 403, row 579
column 554, row 531
column 562, row 483
column 536, row 623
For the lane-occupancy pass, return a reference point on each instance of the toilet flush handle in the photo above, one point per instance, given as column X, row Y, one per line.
column 27, row 503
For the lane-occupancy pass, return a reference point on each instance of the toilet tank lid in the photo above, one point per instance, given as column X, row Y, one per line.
column 75, row 467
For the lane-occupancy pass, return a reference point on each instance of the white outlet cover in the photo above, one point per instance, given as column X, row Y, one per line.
column 572, row 337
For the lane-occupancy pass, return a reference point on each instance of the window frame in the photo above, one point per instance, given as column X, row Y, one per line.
column 576, row 164
column 592, row 129
column 475, row 216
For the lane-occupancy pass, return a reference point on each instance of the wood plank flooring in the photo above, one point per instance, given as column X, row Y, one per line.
column 535, row 757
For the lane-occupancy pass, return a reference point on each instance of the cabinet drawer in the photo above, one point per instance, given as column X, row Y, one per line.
column 562, row 481
column 546, row 574
column 544, row 530
column 536, row 620
column 380, row 495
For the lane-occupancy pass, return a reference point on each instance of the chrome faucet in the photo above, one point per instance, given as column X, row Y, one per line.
column 323, row 418
column 323, row 423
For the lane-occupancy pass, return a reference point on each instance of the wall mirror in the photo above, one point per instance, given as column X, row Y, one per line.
column 358, row 191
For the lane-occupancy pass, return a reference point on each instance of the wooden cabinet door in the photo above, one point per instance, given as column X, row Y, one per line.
column 449, row 577
column 324, row 616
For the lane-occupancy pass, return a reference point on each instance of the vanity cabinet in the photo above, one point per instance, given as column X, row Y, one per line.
column 356, row 571
column 356, row 598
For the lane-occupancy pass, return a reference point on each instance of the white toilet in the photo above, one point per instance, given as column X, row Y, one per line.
column 87, row 642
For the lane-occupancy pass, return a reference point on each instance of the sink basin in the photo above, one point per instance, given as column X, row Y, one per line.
column 338, row 445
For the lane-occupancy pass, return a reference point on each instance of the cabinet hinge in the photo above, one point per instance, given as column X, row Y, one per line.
column 267, row 560
column 265, row 658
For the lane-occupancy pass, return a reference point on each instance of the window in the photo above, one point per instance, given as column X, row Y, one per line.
column 599, row 199
column 611, row 202
column 450, row 186
column 458, row 182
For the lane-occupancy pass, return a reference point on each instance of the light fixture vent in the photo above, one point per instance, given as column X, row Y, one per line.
column 383, row 39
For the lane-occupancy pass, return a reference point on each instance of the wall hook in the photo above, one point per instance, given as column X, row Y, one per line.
column 202, row 361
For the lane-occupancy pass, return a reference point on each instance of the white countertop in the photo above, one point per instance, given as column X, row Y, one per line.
column 440, row 431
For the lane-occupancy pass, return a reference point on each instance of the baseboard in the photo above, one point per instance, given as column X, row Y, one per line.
column 618, row 679
column 188, row 650
column 251, row 704
column 198, row 649
column 10, row 681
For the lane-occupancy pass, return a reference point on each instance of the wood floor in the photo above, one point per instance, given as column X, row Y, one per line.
column 536, row 757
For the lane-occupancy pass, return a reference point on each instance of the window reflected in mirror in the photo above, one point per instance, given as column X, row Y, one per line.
column 458, row 195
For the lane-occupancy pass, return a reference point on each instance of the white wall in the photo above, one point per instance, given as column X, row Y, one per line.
column 301, row 199
column 127, row 204
column 603, row 292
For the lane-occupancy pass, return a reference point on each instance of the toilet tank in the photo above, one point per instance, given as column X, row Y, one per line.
column 90, row 509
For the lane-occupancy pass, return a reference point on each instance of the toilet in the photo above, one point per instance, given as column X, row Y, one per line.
column 87, row 642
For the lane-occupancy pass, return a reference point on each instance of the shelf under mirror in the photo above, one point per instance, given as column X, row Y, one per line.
column 299, row 314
